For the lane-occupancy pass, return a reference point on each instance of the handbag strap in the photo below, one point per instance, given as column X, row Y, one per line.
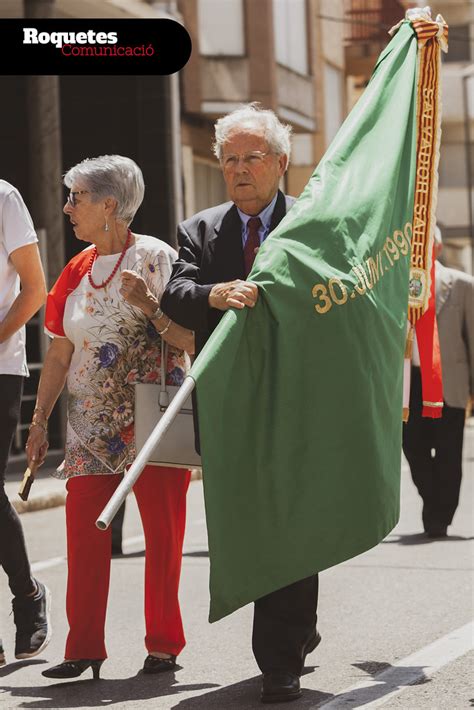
column 164, row 395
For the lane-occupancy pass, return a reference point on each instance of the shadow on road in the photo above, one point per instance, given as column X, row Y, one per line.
column 245, row 695
column 128, row 555
column 141, row 553
column 197, row 553
column 372, row 667
column 385, row 679
column 86, row 693
column 15, row 666
column 422, row 539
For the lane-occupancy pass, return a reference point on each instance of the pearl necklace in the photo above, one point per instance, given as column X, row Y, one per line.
column 116, row 267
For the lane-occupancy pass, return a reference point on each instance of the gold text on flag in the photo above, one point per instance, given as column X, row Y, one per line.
column 363, row 275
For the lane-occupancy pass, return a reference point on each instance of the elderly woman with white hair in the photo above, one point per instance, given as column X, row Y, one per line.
column 104, row 316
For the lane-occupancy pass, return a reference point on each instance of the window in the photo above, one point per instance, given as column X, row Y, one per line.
column 302, row 149
column 209, row 185
column 221, row 28
column 290, row 29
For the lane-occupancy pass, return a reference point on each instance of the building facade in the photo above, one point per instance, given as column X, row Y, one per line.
column 271, row 51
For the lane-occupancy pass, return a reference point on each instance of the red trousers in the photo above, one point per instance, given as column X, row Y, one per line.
column 161, row 498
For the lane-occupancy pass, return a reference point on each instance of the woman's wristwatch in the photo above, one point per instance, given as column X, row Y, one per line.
column 156, row 315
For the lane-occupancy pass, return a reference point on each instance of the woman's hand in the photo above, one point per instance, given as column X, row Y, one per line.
column 36, row 446
column 136, row 292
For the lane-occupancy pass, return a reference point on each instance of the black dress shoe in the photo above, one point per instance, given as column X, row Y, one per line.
column 153, row 664
column 73, row 669
column 279, row 687
column 434, row 531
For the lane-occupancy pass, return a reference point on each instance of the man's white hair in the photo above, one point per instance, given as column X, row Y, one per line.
column 252, row 116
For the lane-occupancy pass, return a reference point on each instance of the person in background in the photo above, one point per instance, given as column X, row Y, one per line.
column 20, row 265
column 433, row 447
column 218, row 247
column 104, row 316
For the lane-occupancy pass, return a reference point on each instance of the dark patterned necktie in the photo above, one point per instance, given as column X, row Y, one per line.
column 252, row 243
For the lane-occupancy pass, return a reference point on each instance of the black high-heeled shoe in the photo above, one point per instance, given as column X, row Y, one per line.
column 153, row 664
column 73, row 669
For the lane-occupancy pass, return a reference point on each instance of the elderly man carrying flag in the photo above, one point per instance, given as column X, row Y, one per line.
column 218, row 248
column 300, row 396
column 299, row 392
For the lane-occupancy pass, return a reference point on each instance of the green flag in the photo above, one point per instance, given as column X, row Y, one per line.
column 300, row 398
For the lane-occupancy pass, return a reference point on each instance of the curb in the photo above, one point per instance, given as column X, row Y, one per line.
column 39, row 502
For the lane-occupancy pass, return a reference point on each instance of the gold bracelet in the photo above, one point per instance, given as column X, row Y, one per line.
column 165, row 330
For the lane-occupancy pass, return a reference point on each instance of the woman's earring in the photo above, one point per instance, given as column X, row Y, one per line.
column 106, row 228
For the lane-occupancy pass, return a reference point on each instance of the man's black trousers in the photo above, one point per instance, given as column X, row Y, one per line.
column 433, row 448
column 284, row 622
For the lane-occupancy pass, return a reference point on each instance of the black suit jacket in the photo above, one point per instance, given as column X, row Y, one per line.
column 210, row 252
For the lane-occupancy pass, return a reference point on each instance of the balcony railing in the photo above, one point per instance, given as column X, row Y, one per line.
column 370, row 20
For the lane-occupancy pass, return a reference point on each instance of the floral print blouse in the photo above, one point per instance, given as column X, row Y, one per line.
column 115, row 346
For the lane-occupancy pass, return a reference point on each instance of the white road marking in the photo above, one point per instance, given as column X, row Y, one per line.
column 44, row 564
column 375, row 692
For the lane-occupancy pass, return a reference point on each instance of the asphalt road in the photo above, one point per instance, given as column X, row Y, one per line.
column 393, row 621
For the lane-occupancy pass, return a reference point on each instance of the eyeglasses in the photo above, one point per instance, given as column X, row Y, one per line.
column 250, row 160
column 71, row 198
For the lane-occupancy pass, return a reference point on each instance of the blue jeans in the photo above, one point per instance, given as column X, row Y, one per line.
column 13, row 555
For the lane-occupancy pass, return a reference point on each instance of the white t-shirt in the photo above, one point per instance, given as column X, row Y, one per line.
column 16, row 230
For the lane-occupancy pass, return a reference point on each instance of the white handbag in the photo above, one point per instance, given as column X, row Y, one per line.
column 151, row 401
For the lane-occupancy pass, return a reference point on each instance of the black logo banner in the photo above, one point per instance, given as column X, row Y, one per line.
column 83, row 46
